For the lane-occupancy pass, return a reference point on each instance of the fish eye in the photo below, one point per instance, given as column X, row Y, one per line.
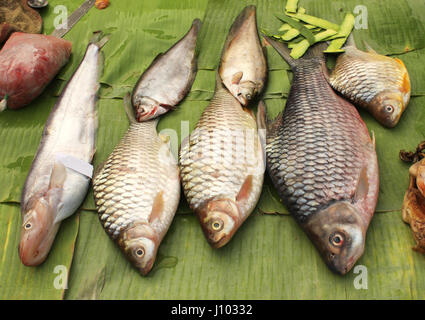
column 337, row 239
column 27, row 226
column 389, row 108
column 139, row 252
column 248, row 96
column 141, row 110
column 217, row 225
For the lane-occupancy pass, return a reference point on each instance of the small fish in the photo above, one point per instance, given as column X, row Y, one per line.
column 243, row 66
column 222, row 167
column 378, row 83
column 322, row 161
column 137, row 192
column 168, row 79
column 53, row 189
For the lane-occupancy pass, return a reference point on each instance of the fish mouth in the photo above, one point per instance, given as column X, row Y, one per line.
column 220, row 242
column 391, row 123
column 343, row 269
column 241, row 98
column 144, row 271
column 38, row 232
column 34, row 247
column 146, row 115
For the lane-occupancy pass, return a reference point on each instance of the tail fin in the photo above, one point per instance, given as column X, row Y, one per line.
column 196, row 26
column 99, row 39
column 282, row 49
column 316, row 51
column 249, row 12
column 129, row 109
column 219, row 83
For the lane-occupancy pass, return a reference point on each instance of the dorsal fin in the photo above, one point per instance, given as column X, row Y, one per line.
column 248, row 12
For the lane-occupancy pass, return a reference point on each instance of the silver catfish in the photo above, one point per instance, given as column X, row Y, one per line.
column 59, row 177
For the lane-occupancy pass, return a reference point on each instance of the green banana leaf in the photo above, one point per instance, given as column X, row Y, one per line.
column 269, row 257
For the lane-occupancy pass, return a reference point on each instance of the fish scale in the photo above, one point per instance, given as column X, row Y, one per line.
column 322, row 161
column 309, row 101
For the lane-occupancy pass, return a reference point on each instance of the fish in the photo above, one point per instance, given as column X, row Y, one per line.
column 373, row 81
column 222, row 167
column 168, row 78
column 60, row 173
column 322, row 161
column 243, row 65
column 28, row 63
column 137, row 191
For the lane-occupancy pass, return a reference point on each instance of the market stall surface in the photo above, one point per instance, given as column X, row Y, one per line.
column 270, row 257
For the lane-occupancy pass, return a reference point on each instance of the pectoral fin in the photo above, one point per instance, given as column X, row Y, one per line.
column 362, row 185
column 53, row 196
column 58, row 175
column 236, row 78
column 245, row 190
column 157, row 207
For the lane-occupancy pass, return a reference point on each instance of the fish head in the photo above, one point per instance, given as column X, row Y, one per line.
column 147, row 108
column 37, row 232
column 339, row 234
column 140, row 244
column 388, row 106
column 219, row 220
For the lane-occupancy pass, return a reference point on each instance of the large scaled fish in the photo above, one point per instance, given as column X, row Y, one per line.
column 322, row 162
column 137, row 192
column 378, row 83
column 60, row 174
column 243, row 67
column 164, row 83
column 222, row 167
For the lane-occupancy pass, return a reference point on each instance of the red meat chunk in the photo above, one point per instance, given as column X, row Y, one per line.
column 28, row 62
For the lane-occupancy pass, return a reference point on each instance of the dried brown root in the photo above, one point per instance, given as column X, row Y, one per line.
column 18, row 16
column 408, row 156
